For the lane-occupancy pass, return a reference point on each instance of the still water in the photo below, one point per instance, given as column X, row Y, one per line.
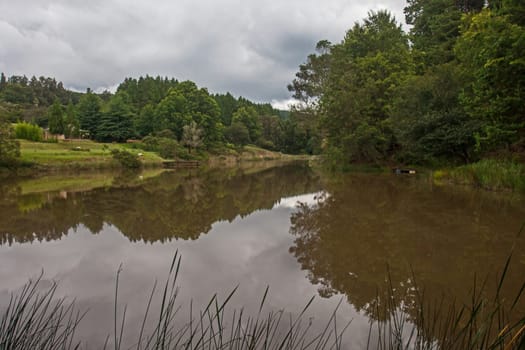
column 288, row 227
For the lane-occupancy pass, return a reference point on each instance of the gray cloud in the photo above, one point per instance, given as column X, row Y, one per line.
column 246, row 47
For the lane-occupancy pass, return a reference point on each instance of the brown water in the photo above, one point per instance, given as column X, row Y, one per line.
column 286, row 227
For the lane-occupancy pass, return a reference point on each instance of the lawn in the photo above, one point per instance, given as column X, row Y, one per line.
column 78, row 154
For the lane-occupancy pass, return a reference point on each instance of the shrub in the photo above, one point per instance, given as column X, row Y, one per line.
column 167, row 148
column 29, row 132
column 126, row 158
column 9, row 147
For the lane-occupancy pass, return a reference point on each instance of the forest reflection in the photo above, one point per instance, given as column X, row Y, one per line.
column 182, row 204
column 368, row 235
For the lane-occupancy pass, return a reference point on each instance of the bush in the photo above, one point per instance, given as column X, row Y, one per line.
column 126, row 158
column 29, row 132
column 167, row 148
column 9, row 147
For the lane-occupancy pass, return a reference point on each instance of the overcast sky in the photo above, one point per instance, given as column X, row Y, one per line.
column 250, row 48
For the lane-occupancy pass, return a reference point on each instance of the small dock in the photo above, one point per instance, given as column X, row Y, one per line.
column 174, row 164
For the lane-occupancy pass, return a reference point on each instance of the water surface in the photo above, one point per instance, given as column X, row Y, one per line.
column 287, row 227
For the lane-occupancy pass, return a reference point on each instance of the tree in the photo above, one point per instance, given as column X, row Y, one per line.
column 435, row 26
column 237, row 133
column 228, row 105
column 192, row 136
column 9, row 146
column 3, row 81
column 429, row 121
column 491, row 50
column 248, row 117
column 172, row 113
column 144, row 121
column 71, row 123
column 366, row 69
column 89, row 113
column 310, row 81
column 55, row 115
column 117, row 123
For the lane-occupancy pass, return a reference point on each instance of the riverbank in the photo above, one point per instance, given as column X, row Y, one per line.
column 87, row 155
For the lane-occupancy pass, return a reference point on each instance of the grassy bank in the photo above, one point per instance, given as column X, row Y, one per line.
column 81, row 154
column 89, row 155
column 489, row 174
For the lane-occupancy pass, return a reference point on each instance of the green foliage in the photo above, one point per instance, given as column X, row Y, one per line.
column 310, row 81
column 9, row 146
column 55, row 116
column 27, row 131
column 172, row 113
column 40, row 91
column 146, row 90
column 144, row 121
column 167, row 148
column 429, row 121
column 126, row 158
column 366, row 69
column 116, row 124
column 237, row 133
column 248, row 117
column 491, row 50
column 71, row 122
column 89, row 113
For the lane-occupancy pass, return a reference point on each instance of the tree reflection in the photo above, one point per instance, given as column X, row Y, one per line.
column 368, row 235
column 175, row 205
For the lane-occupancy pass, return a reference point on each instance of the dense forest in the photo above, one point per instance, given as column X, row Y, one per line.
column 451, row 90
column 448, row 91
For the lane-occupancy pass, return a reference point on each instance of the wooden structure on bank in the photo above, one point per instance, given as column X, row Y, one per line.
column 174, row 164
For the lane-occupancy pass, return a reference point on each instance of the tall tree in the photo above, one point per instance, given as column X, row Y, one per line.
column 435, row 27
column 116, row 123
column 55, row 115
column 71, row 123
column 89, row 113
column 172, row 113
column 311, row 79
column 366, row 69
column 248, row 117
column 491, row 50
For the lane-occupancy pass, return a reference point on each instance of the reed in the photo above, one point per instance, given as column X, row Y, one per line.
column 211, row 328
column 489, row 174
column 37, row 320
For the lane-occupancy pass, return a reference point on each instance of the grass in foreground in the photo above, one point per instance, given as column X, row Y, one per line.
column 488, row 174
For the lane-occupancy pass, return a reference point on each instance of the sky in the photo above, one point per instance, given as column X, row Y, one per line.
column 246, row 47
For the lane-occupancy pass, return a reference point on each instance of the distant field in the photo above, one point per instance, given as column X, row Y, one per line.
column 78, row 154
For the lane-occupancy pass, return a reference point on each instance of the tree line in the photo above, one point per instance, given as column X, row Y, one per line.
column 451, row 89
column 152, row 107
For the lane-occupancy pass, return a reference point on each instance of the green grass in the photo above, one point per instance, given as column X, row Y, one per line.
column 488, row 174
column 78, row 154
